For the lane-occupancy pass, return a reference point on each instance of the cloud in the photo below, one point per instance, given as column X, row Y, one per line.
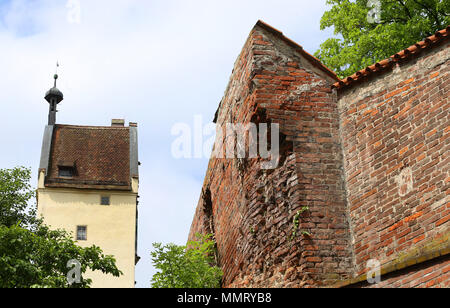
column 152, row 62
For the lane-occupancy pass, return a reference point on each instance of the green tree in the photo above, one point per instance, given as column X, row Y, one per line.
column 32, row 255
column 368, row 31
column 192, row 266
column 15, row 194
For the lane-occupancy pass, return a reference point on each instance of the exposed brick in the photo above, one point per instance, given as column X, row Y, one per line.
column 410, row 158
column 370, row 162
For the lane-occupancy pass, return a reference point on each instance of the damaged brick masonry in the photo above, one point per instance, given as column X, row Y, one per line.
column 367, row 156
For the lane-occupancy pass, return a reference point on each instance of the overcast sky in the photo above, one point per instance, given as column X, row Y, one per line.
column 157, row 63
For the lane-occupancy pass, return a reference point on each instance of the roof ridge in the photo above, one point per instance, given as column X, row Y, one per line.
column 89, row 126
column 405, row 54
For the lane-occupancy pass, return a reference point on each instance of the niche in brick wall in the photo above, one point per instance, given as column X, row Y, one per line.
column 208, row 211
column 286, row 145
column 209, row 225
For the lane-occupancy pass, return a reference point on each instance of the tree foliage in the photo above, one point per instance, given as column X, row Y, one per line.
column 15, row 194
column 32, row 255
column 191, row 266
column 368, row 31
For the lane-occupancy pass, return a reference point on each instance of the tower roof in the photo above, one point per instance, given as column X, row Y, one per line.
column 99, row 157
column 54, row 93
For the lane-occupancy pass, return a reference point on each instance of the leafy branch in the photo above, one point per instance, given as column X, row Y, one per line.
column 296, row 223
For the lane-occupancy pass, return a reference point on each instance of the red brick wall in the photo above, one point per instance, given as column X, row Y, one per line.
column 395, row 135
column 253, row 209
column 370, row 162
column 435, row 274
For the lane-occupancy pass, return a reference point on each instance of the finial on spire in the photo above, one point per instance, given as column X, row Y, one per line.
column 56, row 72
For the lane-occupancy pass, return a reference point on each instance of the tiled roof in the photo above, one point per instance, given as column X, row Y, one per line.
column 316, row 62
column 402, row 56
column 100, row 157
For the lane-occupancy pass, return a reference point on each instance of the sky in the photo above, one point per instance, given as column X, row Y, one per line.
column 157, row 63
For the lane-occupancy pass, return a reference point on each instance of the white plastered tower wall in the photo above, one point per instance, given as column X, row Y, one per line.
column 112, row 227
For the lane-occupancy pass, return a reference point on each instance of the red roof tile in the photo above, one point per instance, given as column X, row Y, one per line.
column 401, row 56
column 100, row 156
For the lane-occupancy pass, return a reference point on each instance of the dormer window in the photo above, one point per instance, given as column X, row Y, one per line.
column 66, row 169
column 66, row 172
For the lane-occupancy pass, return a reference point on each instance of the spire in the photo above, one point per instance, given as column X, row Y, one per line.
column 53, row 97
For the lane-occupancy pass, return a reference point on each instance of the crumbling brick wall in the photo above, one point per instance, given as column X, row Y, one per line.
column 253, row 209
column 369, row 162
column 395, row 136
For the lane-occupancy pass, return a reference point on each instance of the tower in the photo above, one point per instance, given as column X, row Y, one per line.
column 88, row 185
